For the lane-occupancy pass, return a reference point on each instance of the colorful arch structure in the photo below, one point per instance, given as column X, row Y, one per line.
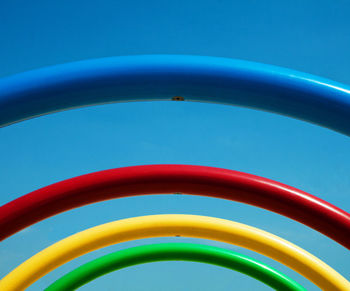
column 168, row 179
column 174, row 225
column 180, row 78
column 174, row 77
column 174, row 252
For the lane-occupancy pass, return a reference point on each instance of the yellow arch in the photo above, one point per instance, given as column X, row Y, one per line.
column 174, row 225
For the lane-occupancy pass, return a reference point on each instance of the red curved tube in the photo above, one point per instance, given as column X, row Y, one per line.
column 166, row 179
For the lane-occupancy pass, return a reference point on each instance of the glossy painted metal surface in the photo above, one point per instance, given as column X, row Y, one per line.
column 175, row 77
column 174, row 252
column 168, row 179
column 164, row 225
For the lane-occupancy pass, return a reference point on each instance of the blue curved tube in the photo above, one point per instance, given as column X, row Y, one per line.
column 162, row 77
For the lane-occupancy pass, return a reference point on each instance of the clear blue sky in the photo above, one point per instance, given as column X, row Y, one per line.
column 310, row 36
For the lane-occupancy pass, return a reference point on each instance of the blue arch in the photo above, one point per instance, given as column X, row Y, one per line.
column 163, row 77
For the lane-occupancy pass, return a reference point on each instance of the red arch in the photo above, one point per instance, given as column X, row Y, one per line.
column 165, row 179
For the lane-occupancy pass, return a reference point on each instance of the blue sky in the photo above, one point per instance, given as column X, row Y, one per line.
column 310, row 36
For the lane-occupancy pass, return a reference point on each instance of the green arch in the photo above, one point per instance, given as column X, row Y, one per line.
column 171, row 252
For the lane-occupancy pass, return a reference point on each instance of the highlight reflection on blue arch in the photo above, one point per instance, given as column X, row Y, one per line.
column 162, row 77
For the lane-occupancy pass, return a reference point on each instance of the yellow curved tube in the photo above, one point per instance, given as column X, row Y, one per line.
column 174, row 225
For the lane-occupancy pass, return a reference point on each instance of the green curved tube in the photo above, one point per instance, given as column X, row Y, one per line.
column 174, row 252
